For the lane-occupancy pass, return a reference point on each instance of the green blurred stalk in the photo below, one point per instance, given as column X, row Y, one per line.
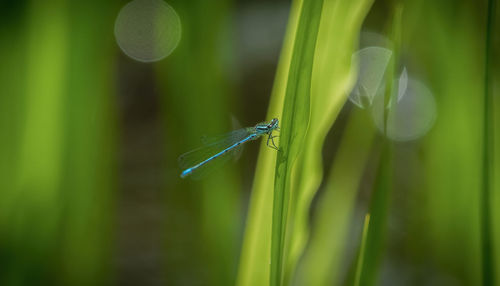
column 495, row 198
column 379, row 209
column 89, row 154
column 488, row 263
column 12, row 90
column 54, row 218
column 496, row 174
column 196, row 99
column 361, row 259
column 381, row 197
column 32, row 210
column 452, row 150
column 324, row 257
column 12, row 52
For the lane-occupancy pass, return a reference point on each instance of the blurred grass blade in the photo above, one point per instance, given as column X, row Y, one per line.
column 323, row 259
column 381, row 197
column 256, row 250
column 60, row 167
column 196, row 88
column 452, row 165
column 30, row 208
column 379, row 209
column 361, row 257
column 488, row 264
column 294, row 122
column 12, row 53
column 89, row 165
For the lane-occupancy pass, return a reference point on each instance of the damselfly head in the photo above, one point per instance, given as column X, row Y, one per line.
column 273, row 124
column 267, row 127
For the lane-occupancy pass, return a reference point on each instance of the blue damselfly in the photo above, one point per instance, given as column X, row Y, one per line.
column 220, row 150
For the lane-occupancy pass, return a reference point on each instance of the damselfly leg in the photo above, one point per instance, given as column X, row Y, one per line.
column 271, row 138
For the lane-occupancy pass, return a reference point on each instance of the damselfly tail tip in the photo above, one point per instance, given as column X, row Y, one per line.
column 185, row 173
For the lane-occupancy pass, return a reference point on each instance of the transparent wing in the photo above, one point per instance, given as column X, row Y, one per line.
column 232, row 137
column 225, row 138
column 211, row 147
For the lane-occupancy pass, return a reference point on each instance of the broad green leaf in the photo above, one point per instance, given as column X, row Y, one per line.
column 332, row 80
column 329, row 82
column 295, row 119
column 255, row 257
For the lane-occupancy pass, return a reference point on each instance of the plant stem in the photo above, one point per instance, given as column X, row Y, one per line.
column 359, row 268
column 487, row 258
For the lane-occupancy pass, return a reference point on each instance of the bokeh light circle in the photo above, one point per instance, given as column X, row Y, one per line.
column 411, row 117
column 147, row 30
column 371, row 64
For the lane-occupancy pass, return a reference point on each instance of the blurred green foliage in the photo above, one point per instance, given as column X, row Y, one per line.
column 196, row 97
column 74, row 210
column 55, row 221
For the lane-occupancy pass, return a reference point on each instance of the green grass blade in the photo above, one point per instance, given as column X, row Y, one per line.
column 59, row 168
column 12, row 53
column 379, row 209
column 332, row 79
column 452, row 161
column 323, row 258
column 381, row 196
column 496, row 182
column 488, row 263
column 361, row 258
column 89, row 129
column 30, row 207
column 294, row 122
column 256, row 250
